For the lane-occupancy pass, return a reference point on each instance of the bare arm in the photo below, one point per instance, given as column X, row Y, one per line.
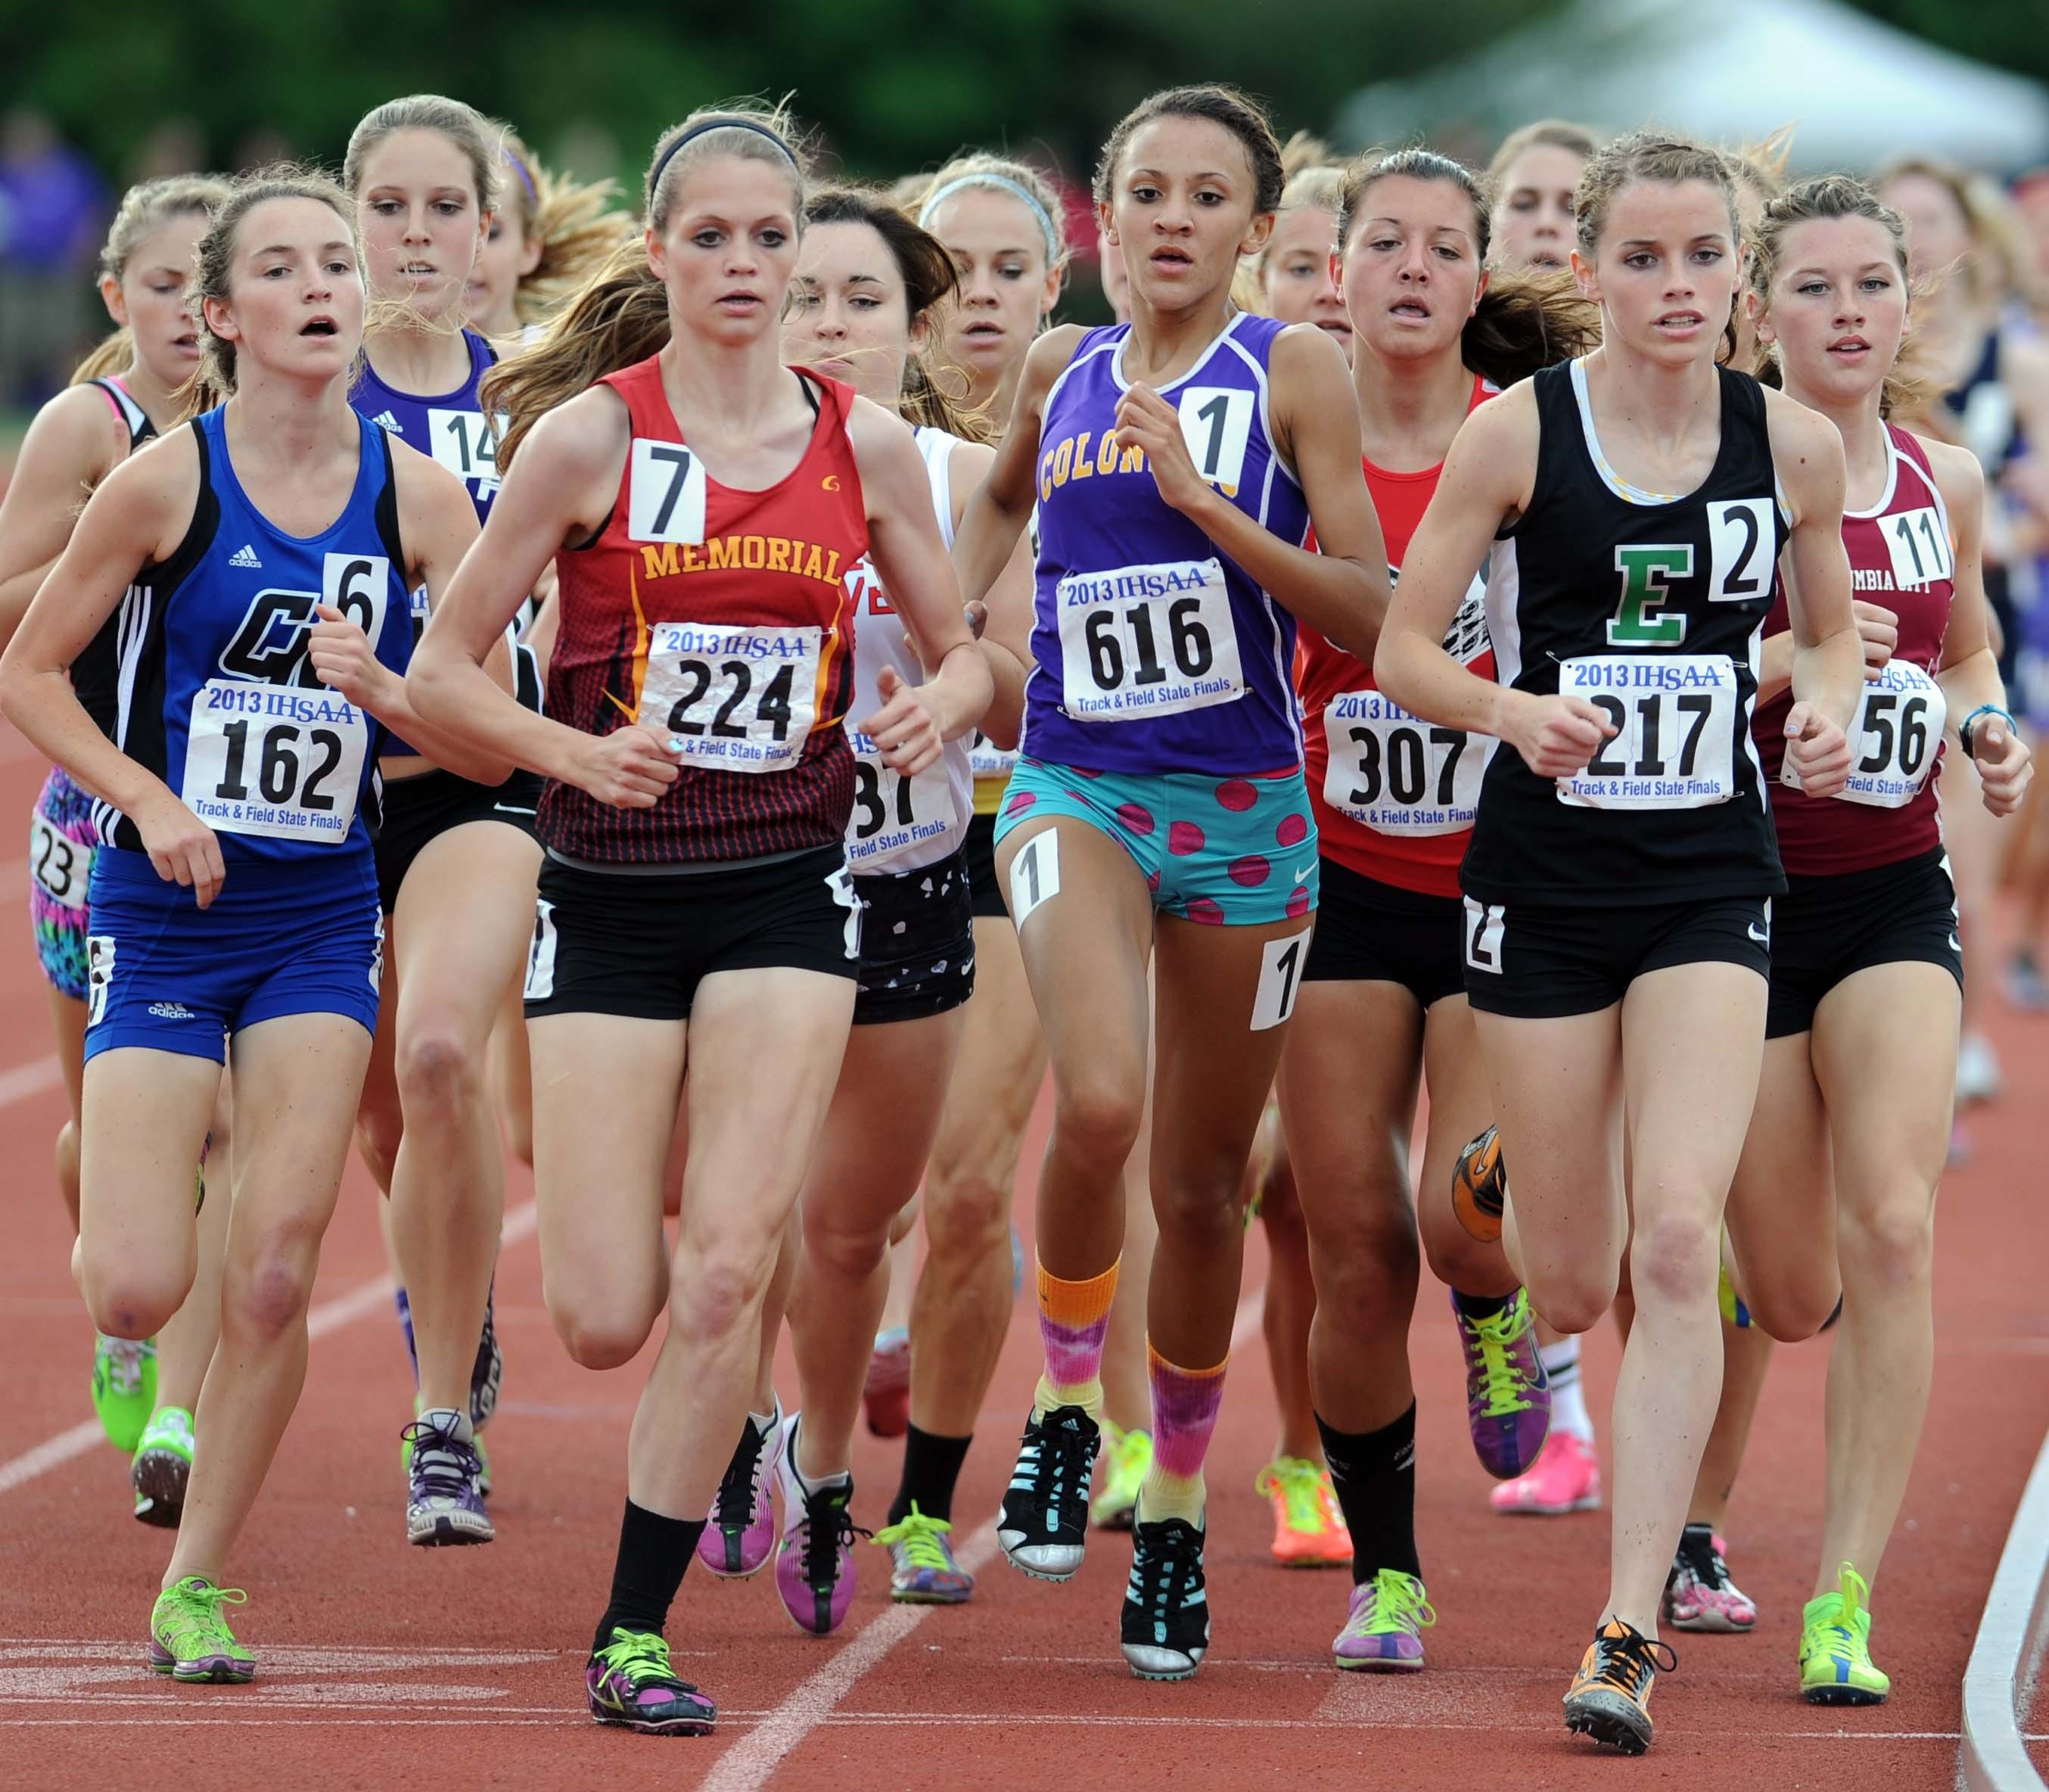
column 997, row 514
column 914, row 722
column 1827, row 653
column 559, row 492
column 69, row 449
column 1342, row 591
column 136, row 518
column 1006, row 640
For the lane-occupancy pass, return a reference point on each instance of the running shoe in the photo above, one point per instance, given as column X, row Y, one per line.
column 1479, row 1188
column 1384, row 1627
column 740, row 1532
column 1043, row 1525
column 405, row 1307
column 189, row 1639
column 124, row 1388
column 632, row 1687
column 1735, row 1310
column 1835, row 1667
column 2026, row 987
column 444, row 1504
column 1699, row 1594
column 923, row 1570
column 487, row 1375
column 886, row 1397
column 1165, row 1626
column 1508, row 1396
column 814, row 1572
column 1566, row 1479
column 1127, row 1458
column 1610, row 1698
column 483, row 1453
column 1308, row 1529
column 1979, row 1077
column 162, row 1466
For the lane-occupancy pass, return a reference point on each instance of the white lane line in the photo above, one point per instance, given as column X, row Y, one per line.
column 747, row 1765
column 1993, row 1757
column 25, row 1080
column 330, row 1315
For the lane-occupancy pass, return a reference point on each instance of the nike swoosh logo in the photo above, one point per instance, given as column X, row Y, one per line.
column 1762, row 939
column 1302, row 872
column 513, row 809
column 1956, row 944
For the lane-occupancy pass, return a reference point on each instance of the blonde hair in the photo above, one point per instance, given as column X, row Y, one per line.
column 1653, row 156
column 214, row 263
column 463, row 126
column 1556, row 134
column 575, row 223
column 1315, row 183
column 620, row 314
column 2006, row 262
column 1830, row 196
column 144, row 209
column 1017, row 180
column 1764, row 164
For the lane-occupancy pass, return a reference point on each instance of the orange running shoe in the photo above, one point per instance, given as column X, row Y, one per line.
column 1610, row 1696
column 1566, row 1479
column 1479, row 1188
column 1308, row 1529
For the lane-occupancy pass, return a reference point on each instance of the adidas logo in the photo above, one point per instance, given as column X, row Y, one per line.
column 386, row 421
column 172, row 1011
column 245, row 556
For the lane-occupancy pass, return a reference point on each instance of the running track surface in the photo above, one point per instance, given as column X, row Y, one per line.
column 381, row 1661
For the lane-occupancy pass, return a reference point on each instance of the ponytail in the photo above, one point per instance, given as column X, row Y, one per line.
column 1525, row 322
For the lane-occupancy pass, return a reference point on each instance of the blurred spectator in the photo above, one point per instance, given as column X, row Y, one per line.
column 261, row 147
column 176, row 146
column 52, row 209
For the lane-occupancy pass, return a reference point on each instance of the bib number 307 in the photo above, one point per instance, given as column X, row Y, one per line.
column 1675, row 721
column 1396, row 774
column 739, row 699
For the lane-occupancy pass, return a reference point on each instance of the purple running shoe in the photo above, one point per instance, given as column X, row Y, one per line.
column 1508, row 1398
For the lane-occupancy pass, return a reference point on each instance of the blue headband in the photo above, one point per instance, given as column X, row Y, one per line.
column 669, row 155
column 519, row 169
column 1003, row 182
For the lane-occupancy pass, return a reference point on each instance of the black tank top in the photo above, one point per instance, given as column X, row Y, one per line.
column 1652, row 608
column 95, row 674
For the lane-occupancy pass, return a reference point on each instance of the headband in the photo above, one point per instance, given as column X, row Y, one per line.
column 1003, row 182
column 669, row 155
column 519, row 169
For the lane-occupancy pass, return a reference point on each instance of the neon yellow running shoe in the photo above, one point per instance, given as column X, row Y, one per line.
column 189, row 1639
column 124, row 1388
column 1126, row 1459
column 923, row 1570
column 162, row 1467
column 1308, row 1529
column 1836, row 1666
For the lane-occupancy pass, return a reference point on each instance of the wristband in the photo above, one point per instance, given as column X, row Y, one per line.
column 1964, row 728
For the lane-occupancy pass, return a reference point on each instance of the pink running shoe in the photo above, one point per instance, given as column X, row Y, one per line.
column 1565, row 1479
column 886, row 1398
column 1699, row 1593
column 740, row 1530
column 814, row 1565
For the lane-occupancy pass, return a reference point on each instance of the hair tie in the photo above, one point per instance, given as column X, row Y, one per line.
column 987, row 177
column 519, row 169
column 669, row 155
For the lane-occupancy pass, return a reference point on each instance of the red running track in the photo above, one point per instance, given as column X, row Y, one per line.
column 382, row 1662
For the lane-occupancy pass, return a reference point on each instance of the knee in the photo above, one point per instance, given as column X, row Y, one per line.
column 126, row 1300
column 967, row 1216
column 1574, row 1297
column 378, row 1133
column 1369, row 1270
column 1101, row 1119
column 1674, row 1260
column 1891, row 1248
column 839, row 1247
column 437, row 1069
column 1199, row 1199
column 600, row 1328
column 1792, row 1303
column 268, row 1291
column 722, row 1286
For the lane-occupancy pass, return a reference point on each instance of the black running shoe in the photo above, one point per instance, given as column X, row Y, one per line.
column 1044, row 1526
column 1165, row 1627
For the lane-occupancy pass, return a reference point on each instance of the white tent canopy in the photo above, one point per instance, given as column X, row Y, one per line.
column 1732, row 72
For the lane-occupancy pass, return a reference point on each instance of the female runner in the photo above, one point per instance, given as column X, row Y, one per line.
column 456, row 860
column 706, row 505
column 1177, row 463
column 549, row 233
column 1867, row 972
column 146, row 1389
column 1383, row 999
column 260, row 561
column 1617, row 885
column 868, row 282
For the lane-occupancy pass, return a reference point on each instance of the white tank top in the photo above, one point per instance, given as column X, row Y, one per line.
column 900, row 824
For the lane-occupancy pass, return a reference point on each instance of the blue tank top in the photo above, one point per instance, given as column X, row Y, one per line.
column 1156, row 652
column 216, row 694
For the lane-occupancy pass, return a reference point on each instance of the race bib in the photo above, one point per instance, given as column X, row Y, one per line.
column 893, row 812
column 462, row 441
column 1675, row 717
column 1144, row 641
column 1395, row 774
column 1919, row 546
column 987, row 761
column 665, row 493
column 61, row 867
column 284, row 761
column 1898, row 728
column 739, row 699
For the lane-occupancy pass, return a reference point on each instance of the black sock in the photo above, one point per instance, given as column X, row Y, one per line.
column 931, row 1466
column 653, row 1553
column 1480, row 1306
column 1373, row 1475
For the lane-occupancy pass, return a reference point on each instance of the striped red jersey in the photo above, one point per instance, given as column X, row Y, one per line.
column 1901, row 557
column 722, row 619
column 1394, row 797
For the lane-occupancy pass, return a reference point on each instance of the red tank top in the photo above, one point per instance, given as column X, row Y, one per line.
column 1394, row 796
column 1901, row 557
column 721, row 617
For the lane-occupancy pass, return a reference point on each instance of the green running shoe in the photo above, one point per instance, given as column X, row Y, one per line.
column 162, row 1466
column 124, row 1388
column 1836, row 1666
column 1126, row 1460
column 189, row 1639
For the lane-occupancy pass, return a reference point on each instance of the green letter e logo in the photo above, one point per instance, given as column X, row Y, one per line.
column 1644, row 571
